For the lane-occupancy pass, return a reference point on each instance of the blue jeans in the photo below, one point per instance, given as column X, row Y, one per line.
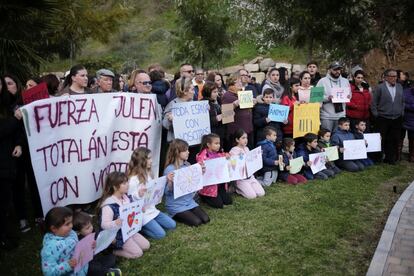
column 155, row 227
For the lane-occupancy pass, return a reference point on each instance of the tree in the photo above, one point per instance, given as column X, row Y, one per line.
column 203, row 36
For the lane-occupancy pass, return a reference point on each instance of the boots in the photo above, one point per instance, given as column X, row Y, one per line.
column 411, row 150
column 399, row 150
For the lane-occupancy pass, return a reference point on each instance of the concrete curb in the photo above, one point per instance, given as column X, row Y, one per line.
column 381, row 253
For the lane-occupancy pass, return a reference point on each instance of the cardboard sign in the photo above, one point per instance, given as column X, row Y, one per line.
column 131, row 216
column 374, row 141
column 104, row 239
column 278, row 112
column 304, row 95
column 237, row 167
column 331, row 153
column 75, row 142
column 340, row 94
column 296, row 165
column 83, row 252
column 254, row 161
column 245, row 99
column 227, row 113
column 191, row 120
column 318, row 162
column 38, row 92
column 306, row 119
column 316, row 95
column 188, row 180
column 355, row 149
column 216, row 171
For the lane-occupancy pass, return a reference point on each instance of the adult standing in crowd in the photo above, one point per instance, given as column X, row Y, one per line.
column 76, row 82
column 244, row 77
column 272, row 82
column 312, row 68
column 105, row 80
column 408, row 125
column 198, row 83
column 331, row 112
column 142, row 83
column 160, row 86
column 387, row 107
column 186, row 71
column 359, row 106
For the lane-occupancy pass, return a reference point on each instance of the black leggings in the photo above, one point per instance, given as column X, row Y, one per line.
column 192, row 217
column 222, row 198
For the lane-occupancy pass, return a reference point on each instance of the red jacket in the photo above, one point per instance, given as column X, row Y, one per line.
column 288, row 129
column 211, row 190
column 358, row 107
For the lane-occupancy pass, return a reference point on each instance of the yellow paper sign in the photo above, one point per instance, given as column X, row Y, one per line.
column 306, row 119
column 245, row 99
column 332, row 153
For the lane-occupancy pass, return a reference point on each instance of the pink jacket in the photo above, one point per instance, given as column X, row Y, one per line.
column 211, row 190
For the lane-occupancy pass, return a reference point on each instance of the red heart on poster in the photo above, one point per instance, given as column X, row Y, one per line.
column 131, row 219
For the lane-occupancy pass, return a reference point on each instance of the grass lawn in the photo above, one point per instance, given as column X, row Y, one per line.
column 321, row 228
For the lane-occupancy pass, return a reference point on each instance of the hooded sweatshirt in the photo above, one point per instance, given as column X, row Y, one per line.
column 328, row 109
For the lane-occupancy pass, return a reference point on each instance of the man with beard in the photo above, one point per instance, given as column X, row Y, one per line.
column 331, row 112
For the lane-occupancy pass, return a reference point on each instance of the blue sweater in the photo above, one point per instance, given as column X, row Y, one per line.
column 339, row 136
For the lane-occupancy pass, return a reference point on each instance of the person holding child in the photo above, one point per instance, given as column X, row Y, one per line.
column 154, row 222
column 270, row 157
column 215, row 195
column 183, row 209
column 113, row 198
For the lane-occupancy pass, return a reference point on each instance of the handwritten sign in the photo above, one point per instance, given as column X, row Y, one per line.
column 227, row 113
column 76, row 141
column 304, row 95
column 38, row 92
column 305, row 119
column 245, row 99
column 216, row 171
column 188, row 180
column 237, row 167
column 331, row 153
column 355, row 149
column 104, row 239
column 318, row 162
column 340, row 94
column 131, row 216
column 83, row 252
column 191, row 120
column 254, row 161
column 296, row 165
column 316, row 95
column 373, row 141
column 278, row 112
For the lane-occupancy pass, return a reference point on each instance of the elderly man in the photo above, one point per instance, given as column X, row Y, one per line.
column 387, row 107
column 105, row 80
column 244, row 77
column 143, row 83
column 331, row 112
column 187, row 71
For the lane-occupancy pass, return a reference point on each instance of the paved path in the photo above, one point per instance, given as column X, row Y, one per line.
column 395, row 251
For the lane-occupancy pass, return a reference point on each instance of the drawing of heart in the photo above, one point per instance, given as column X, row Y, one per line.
column 131, row 219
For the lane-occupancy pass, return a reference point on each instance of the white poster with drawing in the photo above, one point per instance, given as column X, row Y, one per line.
column 188, row 180
column 237, row 167
column 131, row 216
column 216, row 171
column 254, row 161
column 373, row 141
column 318, row 162
column 355, row 149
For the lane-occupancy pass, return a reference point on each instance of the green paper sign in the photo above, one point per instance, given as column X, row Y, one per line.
column 316, row 95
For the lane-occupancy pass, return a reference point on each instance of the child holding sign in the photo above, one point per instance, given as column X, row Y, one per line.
column 270, row 158
column 325, row 142
column 311, row 146
column 139, row 172
column 289, row 154
column 249, row 188
column 359, row 130
column 59, row 243
column 261, row 118
column 113, row 197
column 183, row 209
column 102, row 263
column 215, row 195
column 290, row 98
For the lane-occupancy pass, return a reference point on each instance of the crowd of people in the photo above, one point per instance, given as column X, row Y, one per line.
column 388, row 108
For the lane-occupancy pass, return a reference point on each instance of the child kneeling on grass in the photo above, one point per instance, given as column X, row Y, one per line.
column 289, row 154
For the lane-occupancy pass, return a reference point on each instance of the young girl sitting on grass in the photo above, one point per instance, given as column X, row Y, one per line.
column 249, row 187
column 183, row 209
column 113, row 197
column 214, row 195
column 59, row 244
column 289, row 154
column 139, row 172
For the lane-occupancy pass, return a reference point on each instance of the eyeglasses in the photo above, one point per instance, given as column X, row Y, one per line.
column 200, row 74
column 145, row 82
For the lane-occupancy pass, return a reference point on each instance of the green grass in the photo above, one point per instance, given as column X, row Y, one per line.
column 321, row 228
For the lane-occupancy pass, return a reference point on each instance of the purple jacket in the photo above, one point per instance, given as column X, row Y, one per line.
column 409, row 109
column 243, row 118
